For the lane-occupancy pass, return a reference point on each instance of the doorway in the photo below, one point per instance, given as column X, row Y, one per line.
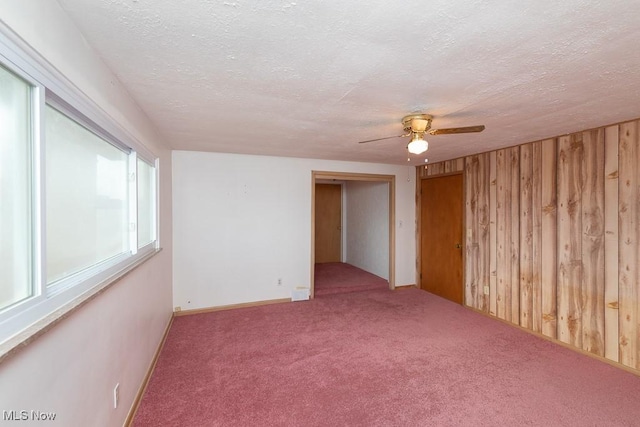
column 319, row 177
column 441, row 253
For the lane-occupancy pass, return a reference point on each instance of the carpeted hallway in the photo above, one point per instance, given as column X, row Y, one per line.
column 339, row 277
column 376, row 358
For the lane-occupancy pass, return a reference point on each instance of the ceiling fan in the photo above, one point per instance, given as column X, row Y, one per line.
column 417, row 125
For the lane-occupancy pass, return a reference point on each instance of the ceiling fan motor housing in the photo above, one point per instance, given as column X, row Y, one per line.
column 418, row 123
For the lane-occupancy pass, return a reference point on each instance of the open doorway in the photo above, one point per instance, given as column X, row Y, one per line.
column 376, row 256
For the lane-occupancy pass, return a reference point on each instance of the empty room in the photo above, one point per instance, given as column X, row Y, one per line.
column 282, row 213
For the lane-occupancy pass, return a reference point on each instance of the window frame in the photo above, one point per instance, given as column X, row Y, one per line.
column 36, row 180
column 47, row 304
column 154, row 202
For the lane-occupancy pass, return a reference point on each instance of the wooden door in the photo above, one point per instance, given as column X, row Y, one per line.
column 328, row 216
column 441, row 237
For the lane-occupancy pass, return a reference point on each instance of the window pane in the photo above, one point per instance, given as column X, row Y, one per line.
column 86, row 187
column 146, row 203
column 15, row 190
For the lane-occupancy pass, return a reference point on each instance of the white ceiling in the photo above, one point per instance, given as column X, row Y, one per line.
column 311, row 78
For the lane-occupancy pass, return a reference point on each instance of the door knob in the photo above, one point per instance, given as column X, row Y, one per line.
column 458, row 246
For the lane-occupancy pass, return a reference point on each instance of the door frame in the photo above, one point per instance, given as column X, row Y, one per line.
column 419, row 180
column 348, row 176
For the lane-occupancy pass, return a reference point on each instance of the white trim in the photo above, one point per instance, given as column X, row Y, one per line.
column 64, row 108
column 38, row 200
column 82, row 277
column 133, row 202
column 150, row 162
column 157, row 203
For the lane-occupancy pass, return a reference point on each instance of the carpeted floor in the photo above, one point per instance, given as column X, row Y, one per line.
column 338, row 277
column 376, row 358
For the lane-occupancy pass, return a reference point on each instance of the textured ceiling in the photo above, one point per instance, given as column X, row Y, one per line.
column 310, row 79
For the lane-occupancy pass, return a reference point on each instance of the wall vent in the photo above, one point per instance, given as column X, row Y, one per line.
column 300, row 294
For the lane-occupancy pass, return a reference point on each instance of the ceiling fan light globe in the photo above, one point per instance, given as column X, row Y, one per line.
column 418, row 146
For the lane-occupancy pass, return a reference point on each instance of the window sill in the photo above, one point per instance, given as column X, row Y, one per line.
column 21, row 340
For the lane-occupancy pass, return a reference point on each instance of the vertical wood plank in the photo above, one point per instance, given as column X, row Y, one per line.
column 526, row 236
column 514, row 234
column 472, row 250
column 507, row 234
column 477, row 224
column 593, row 242
column 492, row 234
column 611, row 350
column 536, row 238
column 484, row 231
column 548, row 259
column 502, row 297
column 447, row 166
column 570, row 159
column 629, row 223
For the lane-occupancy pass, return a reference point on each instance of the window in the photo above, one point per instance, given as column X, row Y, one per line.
column 87, row 212
column 16, row 252
column 77, row 194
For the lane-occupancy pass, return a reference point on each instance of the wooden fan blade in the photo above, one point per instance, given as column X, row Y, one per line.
column 380, row 139
column 468, row 129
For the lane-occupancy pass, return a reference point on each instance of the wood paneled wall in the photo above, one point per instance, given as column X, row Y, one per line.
column 628, row 244
column 553, row 238
column 476, row 182
column 448, row 166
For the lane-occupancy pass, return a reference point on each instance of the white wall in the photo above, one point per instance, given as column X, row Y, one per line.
column 367, row 216
column 241, row 222
column 73, row 367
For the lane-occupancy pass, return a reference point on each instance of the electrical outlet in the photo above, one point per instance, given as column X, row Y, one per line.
column 279, row 282
column 486, row 290
column 116, row 395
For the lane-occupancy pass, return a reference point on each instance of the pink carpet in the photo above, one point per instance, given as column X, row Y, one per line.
column 338, row 277
column 376, row 358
